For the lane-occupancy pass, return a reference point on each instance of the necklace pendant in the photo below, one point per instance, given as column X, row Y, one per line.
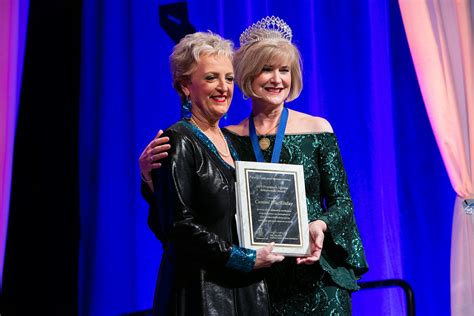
column 264, row 143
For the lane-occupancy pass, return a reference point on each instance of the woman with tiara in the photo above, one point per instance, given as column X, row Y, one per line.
column 268, row 71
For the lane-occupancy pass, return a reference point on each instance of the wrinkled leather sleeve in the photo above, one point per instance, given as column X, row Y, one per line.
column 173, row 214
column 146, row 193
column 153, row 210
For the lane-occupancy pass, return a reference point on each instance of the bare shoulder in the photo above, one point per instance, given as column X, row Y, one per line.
column 321, row 125
column 304, row 123
column 240, row 129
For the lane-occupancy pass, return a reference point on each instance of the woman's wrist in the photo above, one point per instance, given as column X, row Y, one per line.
column 322, row 224
column 145, row 179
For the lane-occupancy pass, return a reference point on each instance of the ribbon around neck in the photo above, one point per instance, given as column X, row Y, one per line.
column 278, row 139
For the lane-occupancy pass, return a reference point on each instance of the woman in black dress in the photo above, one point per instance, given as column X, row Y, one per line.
column 203, row 270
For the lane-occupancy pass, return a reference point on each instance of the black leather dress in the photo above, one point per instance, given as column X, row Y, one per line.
column 192, row 213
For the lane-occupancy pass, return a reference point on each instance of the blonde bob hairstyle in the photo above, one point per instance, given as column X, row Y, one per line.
column 250, row 59
column 186, row 54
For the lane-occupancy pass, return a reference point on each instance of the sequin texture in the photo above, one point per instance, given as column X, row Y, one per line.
column 323, row 288
column 242, row 259
column 210, row 144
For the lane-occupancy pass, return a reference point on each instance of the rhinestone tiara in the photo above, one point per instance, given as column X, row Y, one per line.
column 270, row 27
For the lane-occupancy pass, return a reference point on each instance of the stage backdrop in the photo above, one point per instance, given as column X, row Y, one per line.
column 13, row 24
column 357, row 73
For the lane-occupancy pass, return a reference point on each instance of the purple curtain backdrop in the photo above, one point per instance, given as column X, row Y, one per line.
column 13, row 22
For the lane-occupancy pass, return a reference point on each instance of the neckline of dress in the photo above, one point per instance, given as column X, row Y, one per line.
column 210, row 145
column 286, row 134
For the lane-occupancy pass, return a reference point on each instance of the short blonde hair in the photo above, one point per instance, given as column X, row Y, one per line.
column 250, row 59
column 185, row 55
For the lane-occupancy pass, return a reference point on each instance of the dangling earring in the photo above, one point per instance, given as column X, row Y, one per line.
column 225, row 116
column 186, row 108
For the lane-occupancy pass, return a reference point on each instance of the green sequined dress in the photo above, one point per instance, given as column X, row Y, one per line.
column 323, row 288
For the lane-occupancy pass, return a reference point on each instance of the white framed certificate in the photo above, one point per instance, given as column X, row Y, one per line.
column 271, row 207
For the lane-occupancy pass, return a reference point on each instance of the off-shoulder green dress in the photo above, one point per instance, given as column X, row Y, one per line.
column 323, row 288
